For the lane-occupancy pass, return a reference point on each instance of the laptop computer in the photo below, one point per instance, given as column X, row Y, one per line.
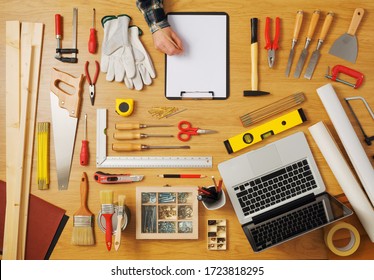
column 278, row 193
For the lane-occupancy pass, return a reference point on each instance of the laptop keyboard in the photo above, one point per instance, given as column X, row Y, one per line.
column 265, row 191
column 288, row 226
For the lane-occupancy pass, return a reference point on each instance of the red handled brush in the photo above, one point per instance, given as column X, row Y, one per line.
column 107, row 210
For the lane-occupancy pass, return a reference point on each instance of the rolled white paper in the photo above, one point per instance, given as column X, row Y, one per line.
column 349, row 139
column 343, row 174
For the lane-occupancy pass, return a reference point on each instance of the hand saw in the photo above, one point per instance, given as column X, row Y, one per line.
column 65, row 108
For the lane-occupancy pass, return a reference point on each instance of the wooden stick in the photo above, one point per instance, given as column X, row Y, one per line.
column 12, row 135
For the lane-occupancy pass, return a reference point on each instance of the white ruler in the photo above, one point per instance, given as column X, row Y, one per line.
column 104, row 161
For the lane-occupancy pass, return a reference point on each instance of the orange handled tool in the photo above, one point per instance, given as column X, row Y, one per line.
column 92, row 42
column 84, row 149
column 337, row 69
column 58, row 29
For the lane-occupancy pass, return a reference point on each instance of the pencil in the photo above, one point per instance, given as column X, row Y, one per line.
column 107, row 210
column 83, row 218
column 120, row 213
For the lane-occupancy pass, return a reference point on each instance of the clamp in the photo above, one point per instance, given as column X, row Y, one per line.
column 337, row 69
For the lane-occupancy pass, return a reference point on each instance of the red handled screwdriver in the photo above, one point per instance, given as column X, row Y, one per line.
column 92, row 42
column 84, row 149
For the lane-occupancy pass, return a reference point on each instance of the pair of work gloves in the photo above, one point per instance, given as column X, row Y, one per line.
column 123, row 56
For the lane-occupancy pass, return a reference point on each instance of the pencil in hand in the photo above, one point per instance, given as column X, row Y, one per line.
column 107, row 211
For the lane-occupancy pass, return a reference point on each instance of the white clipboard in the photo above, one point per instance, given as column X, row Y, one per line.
column 202, row 71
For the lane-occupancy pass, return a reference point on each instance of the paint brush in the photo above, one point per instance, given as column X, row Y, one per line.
column 83, row 218
column 120, row 213
column 107, row 210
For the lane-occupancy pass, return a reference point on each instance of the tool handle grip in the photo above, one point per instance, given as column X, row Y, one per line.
column 117, row 238
column 254, row 23
column 127, row 126
column 277, row 33
column 299, row 21
column 92, row 42
column 313, row 24
column 84, row 192
column 108, row 230
column 267, row 33
column 326, row 25
column 84, row 153
column 58, row 26
column 254, row 54
column 127, row 135
column 356, row 19
column 126, row 147
column 69, row 101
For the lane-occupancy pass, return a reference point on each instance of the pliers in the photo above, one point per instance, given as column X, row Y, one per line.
column 92, row 83
column 272, row 47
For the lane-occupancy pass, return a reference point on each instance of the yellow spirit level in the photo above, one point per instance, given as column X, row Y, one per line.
column 257, row 134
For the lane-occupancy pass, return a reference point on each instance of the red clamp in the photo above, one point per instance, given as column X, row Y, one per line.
column 337, row 69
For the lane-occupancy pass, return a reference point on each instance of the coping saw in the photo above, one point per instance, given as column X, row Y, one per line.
column 65, row 108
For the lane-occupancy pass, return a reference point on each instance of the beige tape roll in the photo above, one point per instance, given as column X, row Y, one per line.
column 351, row 247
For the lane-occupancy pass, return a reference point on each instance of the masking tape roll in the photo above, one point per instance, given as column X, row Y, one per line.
column 351, row 247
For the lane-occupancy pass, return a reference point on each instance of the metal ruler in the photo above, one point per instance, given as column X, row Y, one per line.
column 104, row 161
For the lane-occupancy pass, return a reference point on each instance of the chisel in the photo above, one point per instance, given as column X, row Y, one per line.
column 130, row 126
column 132, row 135
column 128, row 147
column 316, row 54
column 299, row 20
column 304, row 53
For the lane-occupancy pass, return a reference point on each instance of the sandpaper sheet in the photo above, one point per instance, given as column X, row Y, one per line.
column 44, row 227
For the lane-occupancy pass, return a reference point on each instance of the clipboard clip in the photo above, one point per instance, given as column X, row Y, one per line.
column 197, row 94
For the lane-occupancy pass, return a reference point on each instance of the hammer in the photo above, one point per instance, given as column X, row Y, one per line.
column 254, row 62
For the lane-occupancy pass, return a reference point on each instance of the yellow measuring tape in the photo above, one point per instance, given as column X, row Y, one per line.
column 259, row 133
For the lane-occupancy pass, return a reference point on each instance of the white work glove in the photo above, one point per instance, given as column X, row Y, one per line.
column 144, row 72
column 117, row 59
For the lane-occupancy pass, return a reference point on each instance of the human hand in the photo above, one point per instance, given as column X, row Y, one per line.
column 167, row 41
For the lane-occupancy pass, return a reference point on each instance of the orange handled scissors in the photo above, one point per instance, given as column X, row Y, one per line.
column 186, row 131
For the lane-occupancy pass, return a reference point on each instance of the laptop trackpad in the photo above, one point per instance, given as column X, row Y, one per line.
column 264, row 160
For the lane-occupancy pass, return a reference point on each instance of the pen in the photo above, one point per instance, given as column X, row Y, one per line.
column 181, row 176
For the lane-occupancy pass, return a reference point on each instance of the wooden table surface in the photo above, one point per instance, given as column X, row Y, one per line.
column 222, row 116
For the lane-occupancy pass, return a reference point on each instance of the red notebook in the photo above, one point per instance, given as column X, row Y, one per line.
column 45, row 224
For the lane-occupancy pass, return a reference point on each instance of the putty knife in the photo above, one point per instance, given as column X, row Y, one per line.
column 345, row 46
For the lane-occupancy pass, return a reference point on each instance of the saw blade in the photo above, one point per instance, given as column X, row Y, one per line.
column 64, row 128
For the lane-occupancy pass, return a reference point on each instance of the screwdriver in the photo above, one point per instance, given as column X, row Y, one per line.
column 84, row 148
column 92, row 42
column 132, row 135
column 130, row 126
column 128, row 147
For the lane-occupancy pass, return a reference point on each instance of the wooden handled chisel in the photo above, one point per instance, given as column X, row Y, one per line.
column 316, row 54
column 309, row 36
column 299, row 20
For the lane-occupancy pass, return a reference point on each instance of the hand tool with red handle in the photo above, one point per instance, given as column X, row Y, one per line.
column 58, row 33
column 92, row 41
column 272, row 46
column 84, row 155
column 107, row 211
column 92, row 83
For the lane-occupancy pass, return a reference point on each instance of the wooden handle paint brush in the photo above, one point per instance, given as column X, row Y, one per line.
column 107, row 210
column 120, row 213
column 83, row 218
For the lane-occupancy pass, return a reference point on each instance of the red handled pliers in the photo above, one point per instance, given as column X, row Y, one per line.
column 272, row 47
column 92, row 83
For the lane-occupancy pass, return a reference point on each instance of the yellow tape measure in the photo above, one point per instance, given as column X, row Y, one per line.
column 124, row 107
column 259, row 133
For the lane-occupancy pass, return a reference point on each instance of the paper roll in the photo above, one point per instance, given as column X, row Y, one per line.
column 349, row 138
column 347, row 181
column 352, row 245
